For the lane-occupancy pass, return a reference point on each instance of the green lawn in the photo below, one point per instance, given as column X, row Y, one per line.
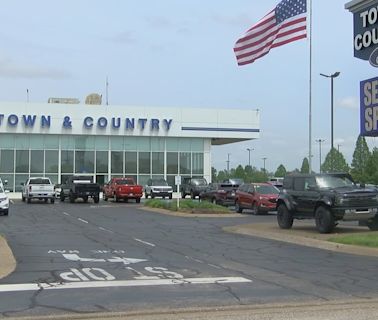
column 186, row 205
column 366, row 240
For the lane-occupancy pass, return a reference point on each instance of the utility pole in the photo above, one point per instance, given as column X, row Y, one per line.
column 264, row 159
column 249, row 155
column 320, row 154
column 228, row 163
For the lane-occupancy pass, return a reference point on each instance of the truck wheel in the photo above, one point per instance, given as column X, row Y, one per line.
column 126, row 199
column 72, row 198
column 52, row 200
column 23, row 199
column 192, row 195
column 62, row 197
column 325, row 222
column 373, row 224
column 183, row 194
column 85, row 198
column 96, row 199
column 46, row 200
column 104, row 197
column 29, row 200
column 238, row 208
column 6, row 212
column 137, row 200
column 284, row 217
column 170, row 196
column 116, row 199
column 255, row 209
column 152, row 195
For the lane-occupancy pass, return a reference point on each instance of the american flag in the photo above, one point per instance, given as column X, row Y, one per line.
column 284, row 24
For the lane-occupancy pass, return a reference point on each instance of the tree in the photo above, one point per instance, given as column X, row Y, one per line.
column 371, row 169
column 281, row 171
column 339, row 163
column 239, row 173
column 305, row 166
column 360, row 159
column 213, row 174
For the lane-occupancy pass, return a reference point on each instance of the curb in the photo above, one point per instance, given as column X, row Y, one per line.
column 272, row 232
column 192, row 215
column 7, row 261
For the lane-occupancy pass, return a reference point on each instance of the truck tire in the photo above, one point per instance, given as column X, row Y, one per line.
column 29, row 200
column 284, row 217
column 137, row 200
column 170, row 196
column 192, row 196
column 238, row 208
column 104, row 197
column 152, row 195
column 373, row 224
column 96, row 199
column 183, row 194
column 52, row 200
column 85, row 198
column 72, row 198
column 6, row 212
column 23, row 199
column 62, row 197
column 325, row 222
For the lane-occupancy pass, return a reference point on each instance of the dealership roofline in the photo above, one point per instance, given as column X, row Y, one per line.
column 356, row 5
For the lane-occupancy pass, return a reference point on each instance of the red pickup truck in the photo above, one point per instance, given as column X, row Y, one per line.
column 122, row 188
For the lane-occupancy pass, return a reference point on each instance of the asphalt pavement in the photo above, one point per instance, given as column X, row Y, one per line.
column 116, row 257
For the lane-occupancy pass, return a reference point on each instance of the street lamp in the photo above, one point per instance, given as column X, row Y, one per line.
column 264, row 159
column 249, row 155
column 320, row 153
column 331, row 76
column 228, row 163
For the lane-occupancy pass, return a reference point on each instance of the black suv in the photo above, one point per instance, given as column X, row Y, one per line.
column 328, row 198
column 193, row 187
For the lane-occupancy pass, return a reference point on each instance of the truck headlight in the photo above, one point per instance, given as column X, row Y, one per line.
column 339, row 201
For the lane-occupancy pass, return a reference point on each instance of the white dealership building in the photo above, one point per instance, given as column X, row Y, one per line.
column 58, row 140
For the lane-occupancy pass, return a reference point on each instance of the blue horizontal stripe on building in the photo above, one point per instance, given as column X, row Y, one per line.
column 219, row 129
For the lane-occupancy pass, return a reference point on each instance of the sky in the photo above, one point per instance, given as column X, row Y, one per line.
column 179, row 53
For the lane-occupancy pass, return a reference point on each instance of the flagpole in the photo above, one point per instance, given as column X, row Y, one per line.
column 309, row 7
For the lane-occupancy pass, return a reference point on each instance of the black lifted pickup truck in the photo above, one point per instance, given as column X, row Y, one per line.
column 80, row 187
column 327, row 198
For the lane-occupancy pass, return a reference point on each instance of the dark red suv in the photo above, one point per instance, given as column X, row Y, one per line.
column 219, row 193
column 260, row 197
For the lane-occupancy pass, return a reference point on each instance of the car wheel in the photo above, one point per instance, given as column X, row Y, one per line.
column 29, row 200
column 72, row 198
column 96, row 199
column 52, row 200
column 62, row 197
column 284, row 217
column 23, row 199
column 46, row 200
column 6, row 212
column 170, row 196
column 373, row 224
column 255, row 209
column 238, row 208
column 325, row 222
column 152, row 195
column 85, row 199
column 137, row 200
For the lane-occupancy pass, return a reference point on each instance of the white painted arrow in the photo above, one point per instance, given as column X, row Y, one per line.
column 126, row 261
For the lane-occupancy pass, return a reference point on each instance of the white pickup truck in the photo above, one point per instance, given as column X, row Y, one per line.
column 38, row 188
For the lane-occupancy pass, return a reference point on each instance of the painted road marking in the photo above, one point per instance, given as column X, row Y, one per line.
column 145, row 242
column 75, row 257
column 65, row 213
column 82, row 220
column 103, row 229
column 119, row 283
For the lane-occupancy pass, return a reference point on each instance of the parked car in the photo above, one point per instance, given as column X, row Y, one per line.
column 40, row 188
column 80, row 187
column 260, row 197
column 234, row 181
column 122, row 188
column 158, row 188
column 193, row 187
column 219, row 193
column 3, row 183
column 327, row 198
column 4, row 202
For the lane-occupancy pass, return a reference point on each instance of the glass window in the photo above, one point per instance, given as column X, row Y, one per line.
column 184, row 144
column 22, row 141
column 185, row 162
column 22, row 161
column 84, row 143
column 117, row 162
column 158, row 163
column 7, row 161
column 197, row 164
column 36, row 161
column 171, row 182
column 67, row 161
column 172, row 144
column 36, row 142
column 51, row 142
column 53, row 178
column 20, row 178
column 102, row 143
column 144, row 162
column 172, row 163
column 144, row 144
column 157, row 144
column 67, row 142
column 131, row 143
column 102, row 161
column 130, row 162
column 84, row 161
column 116, row 143
column 10, row 181
column 52, row 161
column 197, row 145
column 6, row 141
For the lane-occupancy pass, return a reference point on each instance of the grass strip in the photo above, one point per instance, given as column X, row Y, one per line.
column 367, row 240
column 186, row 205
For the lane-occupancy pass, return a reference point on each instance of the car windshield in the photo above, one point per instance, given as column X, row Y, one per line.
column 125, row 182
column 160, row 182
column 327, row 182
column 199, row 182
column 266, row 189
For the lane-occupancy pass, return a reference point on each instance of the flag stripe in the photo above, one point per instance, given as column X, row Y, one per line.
column 285, row 24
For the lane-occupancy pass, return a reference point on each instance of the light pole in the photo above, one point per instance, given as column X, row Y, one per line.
column 264, row 159
column 338, row 147
column 228, row 163
column 331, row 76
column 249, row 155
column 320, row 154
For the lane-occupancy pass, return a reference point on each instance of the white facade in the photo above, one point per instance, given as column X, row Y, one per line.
column 33, row 137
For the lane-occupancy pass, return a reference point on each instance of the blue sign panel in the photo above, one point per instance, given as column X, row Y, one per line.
column 369, row 107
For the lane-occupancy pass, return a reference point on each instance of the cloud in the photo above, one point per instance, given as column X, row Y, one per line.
column 125, row 37
column 159, row 22
column 11, row 69
column 241, row 20
column 348, row 103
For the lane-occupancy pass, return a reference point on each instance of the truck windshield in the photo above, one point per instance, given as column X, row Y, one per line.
column 39, row 181
column 199, row 182
column 334, row 182
column 160, row 182
column 267, row 189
